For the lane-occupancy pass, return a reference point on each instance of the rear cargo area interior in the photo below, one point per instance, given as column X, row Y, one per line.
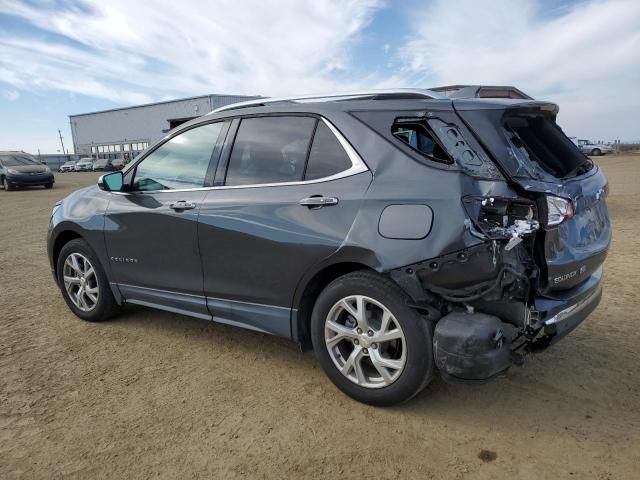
column 545, row 145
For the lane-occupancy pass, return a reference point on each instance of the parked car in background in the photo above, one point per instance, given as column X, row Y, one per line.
column 67, row 166
column 99, row 165
column 399, row 234
column 118, row 164
column 84, row 165
column 19, row 169
column 591, row 148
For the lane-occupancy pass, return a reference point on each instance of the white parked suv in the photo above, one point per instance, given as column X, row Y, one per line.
column 67, row 166
column 84, row 165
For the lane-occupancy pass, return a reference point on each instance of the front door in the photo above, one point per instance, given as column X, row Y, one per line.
column 151, row 228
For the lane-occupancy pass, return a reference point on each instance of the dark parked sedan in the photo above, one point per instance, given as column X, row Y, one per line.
column 19, row 169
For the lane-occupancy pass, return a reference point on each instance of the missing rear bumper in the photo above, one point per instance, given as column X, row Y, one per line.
column 475, row 346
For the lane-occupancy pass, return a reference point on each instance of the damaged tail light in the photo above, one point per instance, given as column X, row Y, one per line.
column 502, row 217
column 558, row 210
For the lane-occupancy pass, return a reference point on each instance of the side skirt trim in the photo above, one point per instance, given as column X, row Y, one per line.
column 270, row 319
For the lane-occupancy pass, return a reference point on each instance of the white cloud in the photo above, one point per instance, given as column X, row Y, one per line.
column 11, row 95
column 586, row 57
column 133, row 51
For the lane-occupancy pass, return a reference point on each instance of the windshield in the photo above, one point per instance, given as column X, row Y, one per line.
column 17, row 160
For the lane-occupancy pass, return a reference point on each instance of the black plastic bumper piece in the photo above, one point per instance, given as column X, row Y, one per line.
column 25, row 180
column 471, row 347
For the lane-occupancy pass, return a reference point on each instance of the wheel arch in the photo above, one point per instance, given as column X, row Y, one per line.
column 308, row 291
column 61, row 239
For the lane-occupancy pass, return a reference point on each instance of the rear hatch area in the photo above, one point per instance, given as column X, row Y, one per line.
column 544, row 165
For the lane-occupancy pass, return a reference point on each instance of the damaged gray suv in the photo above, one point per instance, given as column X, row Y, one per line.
column 401, row 234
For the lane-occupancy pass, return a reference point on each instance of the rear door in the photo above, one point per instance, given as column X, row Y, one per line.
column 151, row 229
column 289, row 190
column 570, row 188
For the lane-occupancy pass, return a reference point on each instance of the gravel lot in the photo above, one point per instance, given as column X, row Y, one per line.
column 155, row 394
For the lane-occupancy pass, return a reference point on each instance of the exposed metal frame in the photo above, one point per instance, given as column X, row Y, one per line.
column 373, row 94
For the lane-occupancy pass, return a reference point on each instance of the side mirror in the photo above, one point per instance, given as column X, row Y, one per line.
column 111, row 182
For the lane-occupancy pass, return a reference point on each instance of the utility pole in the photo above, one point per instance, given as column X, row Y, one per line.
column 61, row 142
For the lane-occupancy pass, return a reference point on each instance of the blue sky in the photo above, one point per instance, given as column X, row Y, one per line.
column 63, row 57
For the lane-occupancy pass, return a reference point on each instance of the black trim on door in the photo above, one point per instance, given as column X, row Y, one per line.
column 221, row 171
column 215, row 155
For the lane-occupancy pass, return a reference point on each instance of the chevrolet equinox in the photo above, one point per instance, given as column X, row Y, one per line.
column 401, row 233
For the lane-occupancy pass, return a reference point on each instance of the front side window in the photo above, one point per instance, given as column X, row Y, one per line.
column 182, row 162
column 270, row 150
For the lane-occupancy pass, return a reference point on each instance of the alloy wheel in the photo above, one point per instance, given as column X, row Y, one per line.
column 365, row 341
column 81, row 282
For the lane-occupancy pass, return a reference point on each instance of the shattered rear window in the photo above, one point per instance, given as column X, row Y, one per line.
column 542, row 149
column 418, row 137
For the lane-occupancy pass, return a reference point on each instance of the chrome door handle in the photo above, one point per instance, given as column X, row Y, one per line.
column 182, row 205
column 318, row 201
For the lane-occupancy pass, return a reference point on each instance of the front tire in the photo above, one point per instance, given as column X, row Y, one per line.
column 49, row 186
column 370, row 343
column 596, row 152
column 5, row 185
column 83, row 282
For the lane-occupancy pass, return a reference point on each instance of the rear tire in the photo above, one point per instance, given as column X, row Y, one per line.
column 84, row 284
column 48, row 186
column 596, row 152
column 362, row 362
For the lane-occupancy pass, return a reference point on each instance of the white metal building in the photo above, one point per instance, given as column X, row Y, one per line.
column 124, row 132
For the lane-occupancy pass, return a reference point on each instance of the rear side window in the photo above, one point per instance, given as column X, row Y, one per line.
column 420, row 138
column 327, row 156
column 270, row 150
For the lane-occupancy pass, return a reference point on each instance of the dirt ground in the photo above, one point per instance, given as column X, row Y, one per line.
column 152, row 394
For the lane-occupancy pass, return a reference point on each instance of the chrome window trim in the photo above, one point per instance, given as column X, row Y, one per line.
column 357, row 166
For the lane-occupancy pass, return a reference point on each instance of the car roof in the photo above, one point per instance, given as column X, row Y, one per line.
column 322, row 108
column 328, row 108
